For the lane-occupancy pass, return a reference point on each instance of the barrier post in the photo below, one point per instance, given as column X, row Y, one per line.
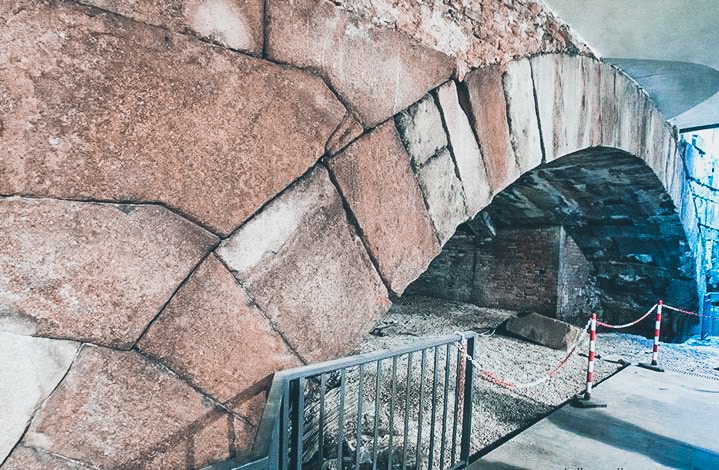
column 655, row 348
column 586, row 400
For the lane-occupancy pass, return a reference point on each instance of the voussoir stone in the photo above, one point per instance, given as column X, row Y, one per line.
column 302, row 263
column 106, row 108
column 234, row 23
column 444, row 194
column 88, row 271
column 465, row 149
column 421, row 130
column 118, row 409
column 544, row 75
column 488, row 109
column 522, row 114
column 377, row 70
column 212, row 333
column 375, row 177
column 30, row 368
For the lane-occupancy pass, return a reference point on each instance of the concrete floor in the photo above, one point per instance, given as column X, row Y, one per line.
column 653, row 420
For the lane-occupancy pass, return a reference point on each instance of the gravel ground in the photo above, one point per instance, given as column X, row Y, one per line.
column 499, row 411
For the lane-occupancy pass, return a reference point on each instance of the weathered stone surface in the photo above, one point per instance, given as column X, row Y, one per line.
column 544, row 75
column 569, row 116
column 347, row 131
column 107, row 108
column 378, row 71
column 375, row 178
column 25, row 458
column 234, row 23
column 543, row 330
column 591, row 132
column 301, row 262
column 489, row 119
column 88, row 271
column 31, row 368
column 444, row 194
column 213, row 334
column 629, row 95
column 421, row 130
column 465, row 149
column 522, row 114
column 609, row 111
column 119, row 409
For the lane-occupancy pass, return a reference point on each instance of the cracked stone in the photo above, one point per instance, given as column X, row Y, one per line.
column 138, row 113
column 119, row 409
column 301, row 261
column 212, row 333
column 421, row 130
column 88, row 271
column 375, row 177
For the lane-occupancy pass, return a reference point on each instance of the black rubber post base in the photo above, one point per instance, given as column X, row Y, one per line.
column 655, row 368
column 583, row 402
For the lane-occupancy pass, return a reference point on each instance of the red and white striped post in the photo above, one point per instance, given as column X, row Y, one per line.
column 586, row 401
column 592, row 353
column 655, row 348
column 657, row 329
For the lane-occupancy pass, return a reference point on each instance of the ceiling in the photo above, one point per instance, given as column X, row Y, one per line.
column 671, row 47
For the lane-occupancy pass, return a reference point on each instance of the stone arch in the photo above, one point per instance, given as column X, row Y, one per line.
column 278, row 245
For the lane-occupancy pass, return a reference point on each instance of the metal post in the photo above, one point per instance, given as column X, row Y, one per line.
column 655, row 347
column 586, row 400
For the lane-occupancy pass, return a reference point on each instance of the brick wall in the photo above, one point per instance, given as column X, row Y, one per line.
column 577, row 294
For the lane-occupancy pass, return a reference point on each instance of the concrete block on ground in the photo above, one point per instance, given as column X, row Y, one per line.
column 546, row 331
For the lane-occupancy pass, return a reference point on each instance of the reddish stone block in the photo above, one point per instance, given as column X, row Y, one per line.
column 88, row 271
column 302, row 263
column 377, row 70
column 212, row 333
column 111, row 109
column 489, row 119
column 234, row 23
column 25, row 458
column 375, row 178
column 347, row 131
column 119, row 409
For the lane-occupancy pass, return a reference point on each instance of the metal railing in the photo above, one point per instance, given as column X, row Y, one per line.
column 371, row 411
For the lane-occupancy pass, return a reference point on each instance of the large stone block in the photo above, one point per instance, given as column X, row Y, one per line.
column 107, row 108
column 465, row 149
column 118, row 409
column 546, row 331
column 444, row 194
column 570, row 116
column 300, row 260
column 31, row 368
column 212, row 333
column 378, row 71
column 591, row 132
column 544, row 75
column 522, row 115
column 608, row 105
column 24, row 458
column 421, row 130
column 375, row 178
column 489, row 119
column 234, row 23
column 88, row 271
column 630, row 118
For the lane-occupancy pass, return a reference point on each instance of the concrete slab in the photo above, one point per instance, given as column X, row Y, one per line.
column 653, row 420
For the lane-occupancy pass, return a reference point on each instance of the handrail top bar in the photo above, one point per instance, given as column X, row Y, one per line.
column 351, row 361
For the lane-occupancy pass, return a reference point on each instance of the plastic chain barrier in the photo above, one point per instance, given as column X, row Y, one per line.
column 681, row 310
column 493, row 378
column 627, row 325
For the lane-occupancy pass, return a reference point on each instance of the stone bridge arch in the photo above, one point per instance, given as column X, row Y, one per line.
column 170, row 276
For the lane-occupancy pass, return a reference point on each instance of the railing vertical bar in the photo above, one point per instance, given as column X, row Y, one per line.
column 358, row 421
column 378, row 380
column 393, row 390
column 406, row 411
column 321, row 438
column 297, row 393
column 468, row 403
column 433, row 421
column 444, row 407
column 341, row 418
column 285, row 422
column 422, row 370
column 457, row 395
